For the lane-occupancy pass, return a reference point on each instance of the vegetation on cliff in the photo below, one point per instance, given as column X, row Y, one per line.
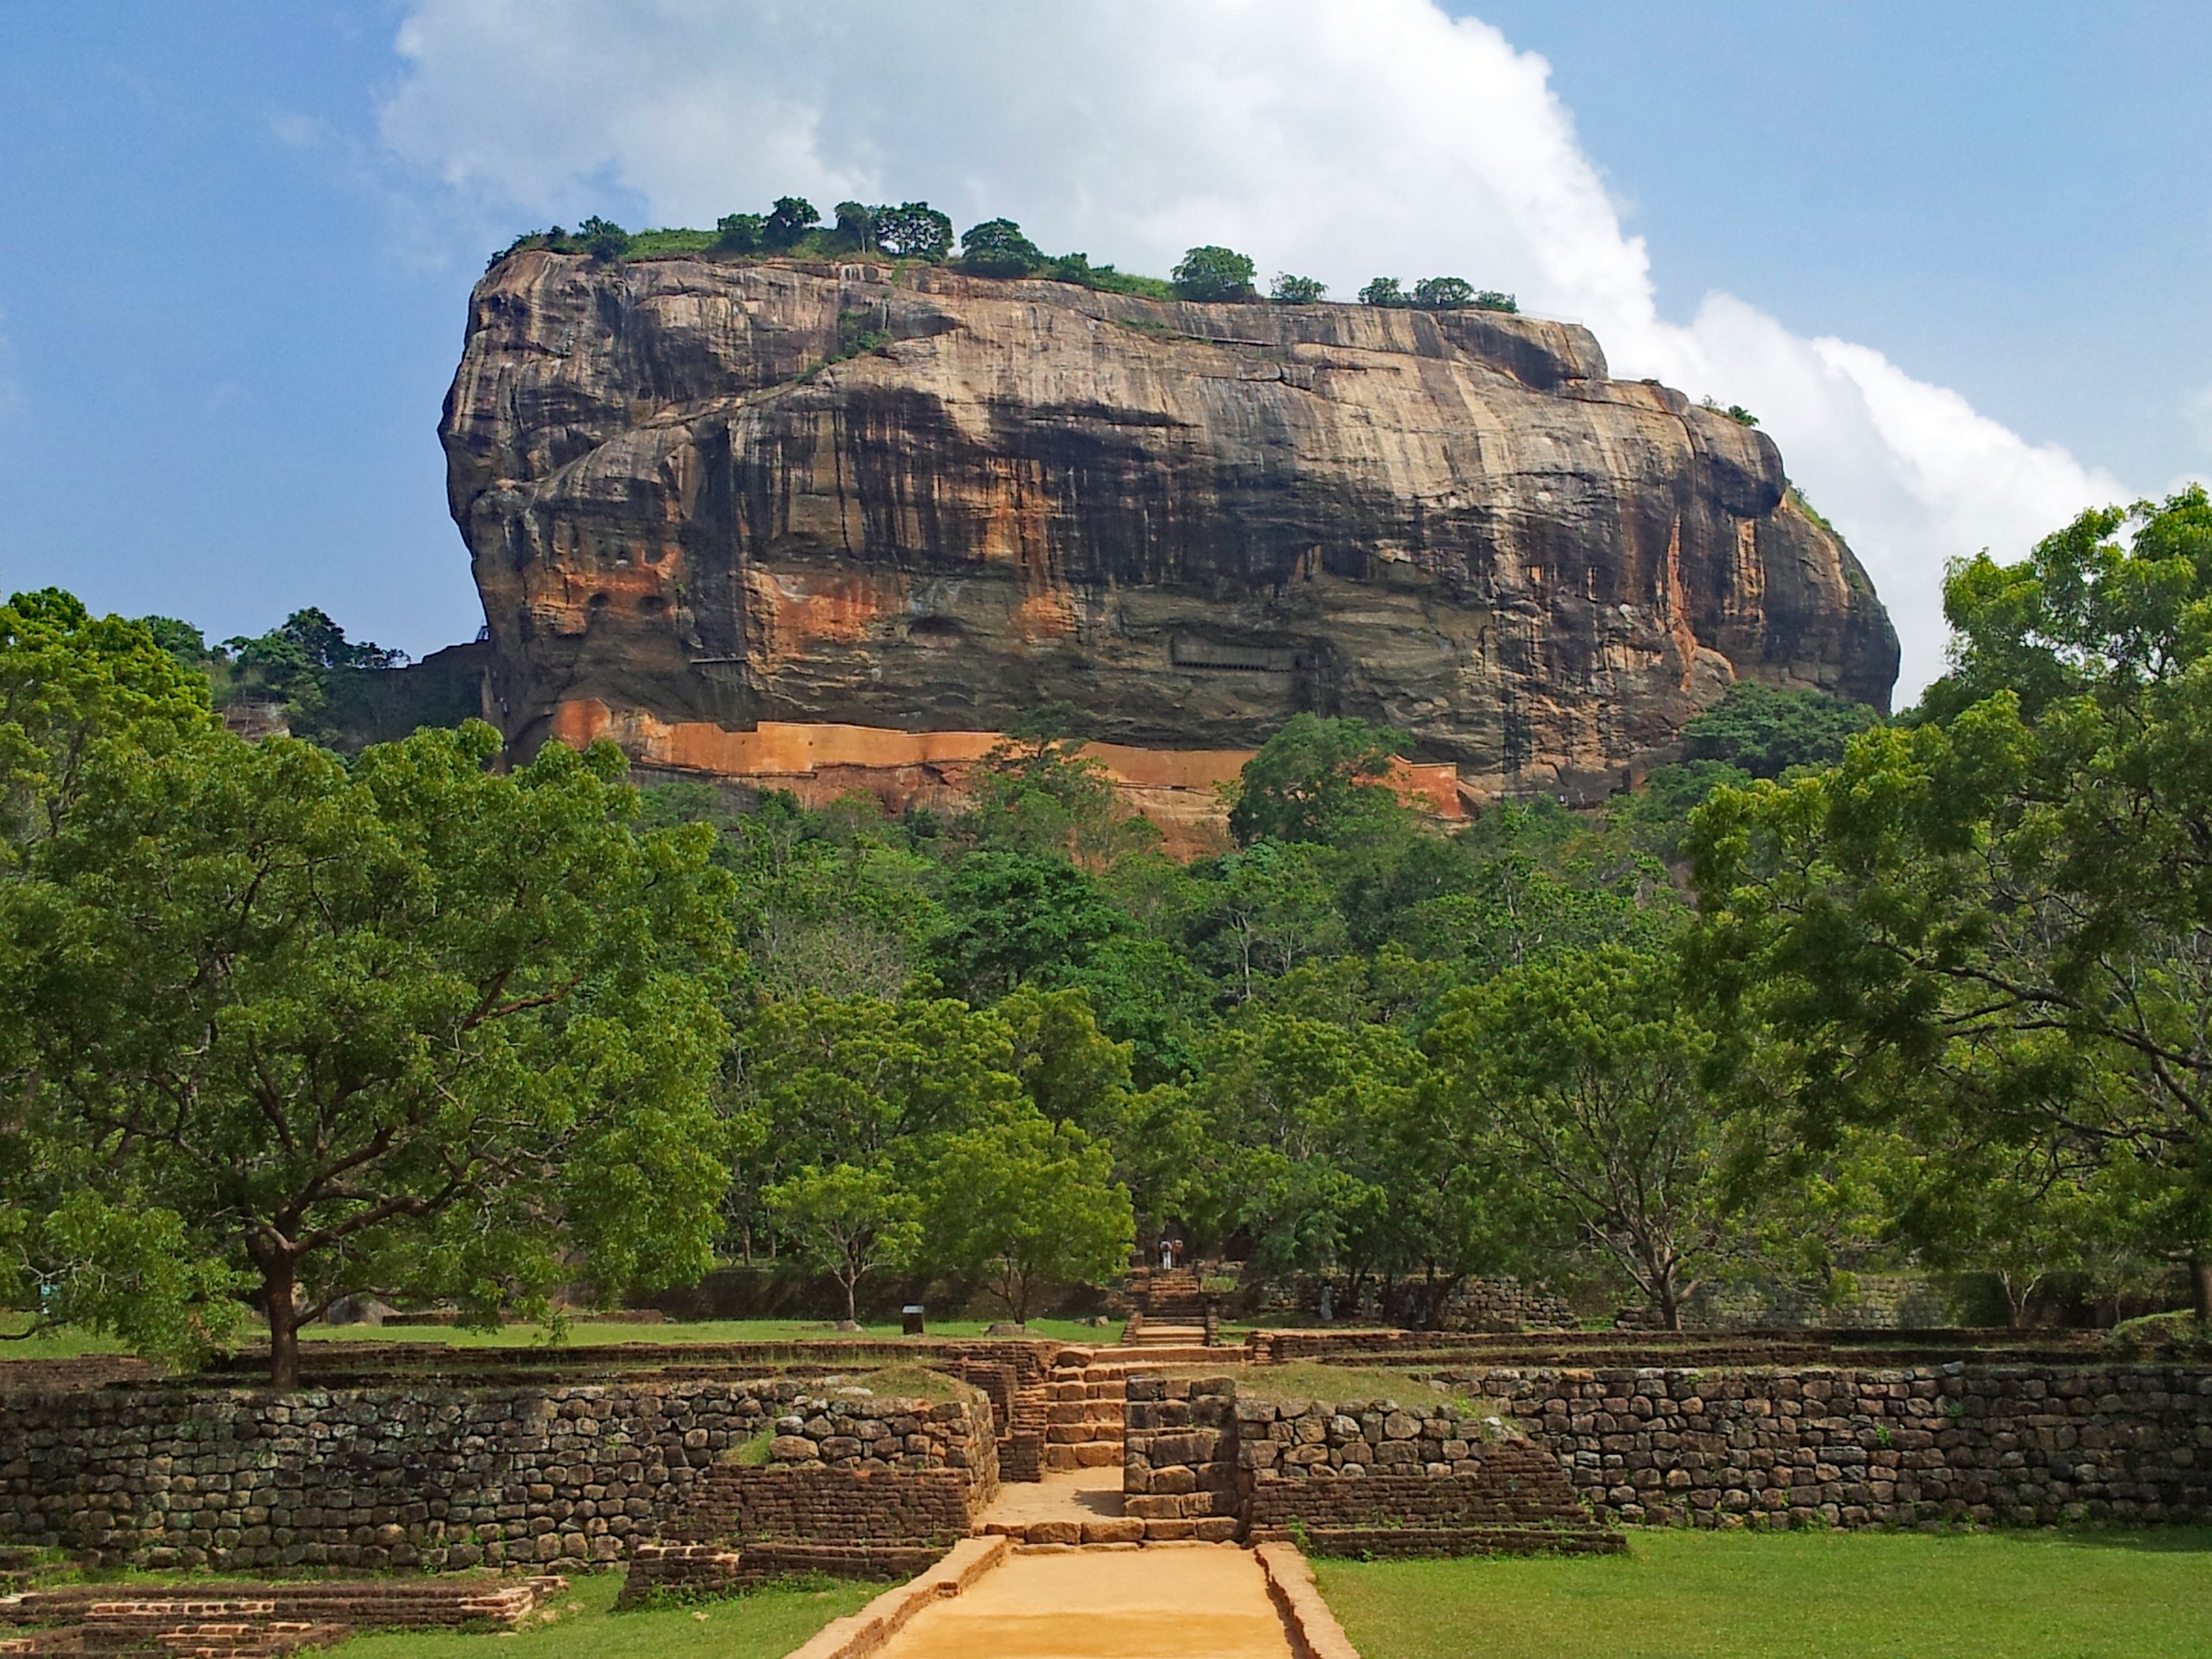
column 914, row 231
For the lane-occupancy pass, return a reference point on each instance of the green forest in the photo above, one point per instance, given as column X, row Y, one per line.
column 1832, row 995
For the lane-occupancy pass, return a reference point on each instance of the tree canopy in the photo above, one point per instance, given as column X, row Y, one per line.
column 410, row 1027
column 1831, row 994
column 1214, row 273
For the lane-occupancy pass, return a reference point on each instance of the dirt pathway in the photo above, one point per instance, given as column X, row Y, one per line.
column 1189, row 1601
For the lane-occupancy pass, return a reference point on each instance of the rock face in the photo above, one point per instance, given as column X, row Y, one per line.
column 707, row 500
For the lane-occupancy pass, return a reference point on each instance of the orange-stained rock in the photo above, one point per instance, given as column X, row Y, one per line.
column 1190, row 522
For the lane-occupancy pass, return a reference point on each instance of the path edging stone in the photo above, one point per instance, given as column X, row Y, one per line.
column 859, row 1634
column 1315, row 1632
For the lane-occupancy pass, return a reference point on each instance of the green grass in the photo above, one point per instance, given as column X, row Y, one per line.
column 68, row 1343
column 760, row 1625
column 1797, row 1595
column 582, row 1333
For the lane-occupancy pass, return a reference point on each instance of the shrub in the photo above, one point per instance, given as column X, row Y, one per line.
column 997, row 248
column 1291, row 290
column 739, row 233
column 1385, row 291
column 1215, row 274
column 1735, row 412
column 603, row 239
column 1443, row 294
column 1491, row 299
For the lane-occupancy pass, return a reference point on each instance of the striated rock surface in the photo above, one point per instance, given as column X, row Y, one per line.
column 706, row 498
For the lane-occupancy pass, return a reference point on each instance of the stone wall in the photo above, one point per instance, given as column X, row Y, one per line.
column 379, row 1477
column 1382, row 1478
column 853, row 1431
column 1179, row 1457
column 1916, row 1446
column 1476, row 1304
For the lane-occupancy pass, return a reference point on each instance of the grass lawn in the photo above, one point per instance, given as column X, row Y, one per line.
column 1797, row 1595
column 764, row 1625
column 68, row 1343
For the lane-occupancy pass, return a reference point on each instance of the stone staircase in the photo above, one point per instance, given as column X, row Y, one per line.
column 1173, row 1311
column 1083, row 1408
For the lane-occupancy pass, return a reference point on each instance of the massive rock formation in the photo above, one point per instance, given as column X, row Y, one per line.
column 744, row 515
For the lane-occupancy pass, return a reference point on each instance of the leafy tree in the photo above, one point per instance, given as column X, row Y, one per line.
column 833, row 900
column 603, row 239
column 1148, row 994
column 1258, row 913
column 1765, row 731
column 1657, row 815
column 1036, row 791
column 1590, row 1073
column 1292, row 1107
column 1013, row 918
column 181, row 640
column 1027, row 1204
column 1386, row 292
column 997, row 248
column 824, row 1080
column 1214, row 273
column 309, row 639
column 739, row 233
column 1073, row 1072
column 914, row 230
column 1317, row 780
column 1540, row 882
column 1289, row 290
column 2008, row 904
column 1443, row 294
column 414, row 1027
column 81, row 699
column 295, row 665
column 787, row 223
column 856, row 226
column 850, row 1221
column 1491, row 299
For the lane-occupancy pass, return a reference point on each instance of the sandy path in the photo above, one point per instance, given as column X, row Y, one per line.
column 1200, row 1602
column 1072, row 1495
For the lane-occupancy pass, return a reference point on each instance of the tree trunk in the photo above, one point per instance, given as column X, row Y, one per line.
column 851, row 1293
column 2200, row 1280
column 277, row 1283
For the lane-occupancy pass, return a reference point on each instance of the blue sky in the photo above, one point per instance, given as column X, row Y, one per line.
column 242, row 236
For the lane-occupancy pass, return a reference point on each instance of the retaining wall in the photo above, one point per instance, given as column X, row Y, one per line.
column 427, row 1477
column 1914, row 1446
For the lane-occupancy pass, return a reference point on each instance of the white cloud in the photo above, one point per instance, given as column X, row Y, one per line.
column 1339, row 138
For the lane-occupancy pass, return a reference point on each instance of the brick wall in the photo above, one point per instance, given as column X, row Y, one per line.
column 2008, row 1445
column 808, row 1502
